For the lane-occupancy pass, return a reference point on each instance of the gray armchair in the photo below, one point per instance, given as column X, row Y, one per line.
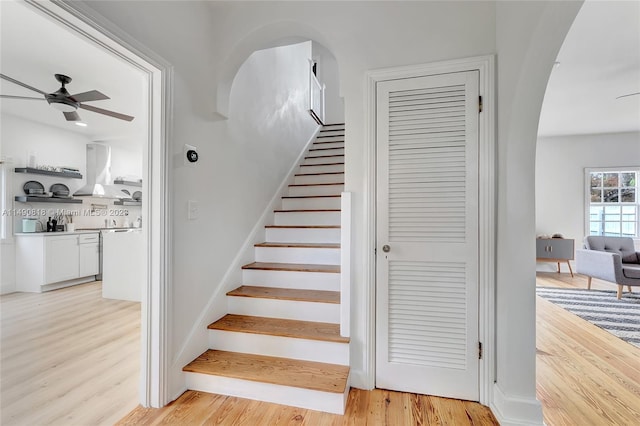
column 612, row 259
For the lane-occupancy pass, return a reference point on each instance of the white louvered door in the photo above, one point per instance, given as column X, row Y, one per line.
column 427, row 216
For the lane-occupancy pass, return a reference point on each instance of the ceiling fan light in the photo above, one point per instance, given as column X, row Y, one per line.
column 63, row 106
column 80, row 123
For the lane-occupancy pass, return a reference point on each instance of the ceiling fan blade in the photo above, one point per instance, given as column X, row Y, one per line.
column 107, row 112
column 629, row 94
column 19, row 83
column 72, row 116
column 92, row 95
column 21, row 97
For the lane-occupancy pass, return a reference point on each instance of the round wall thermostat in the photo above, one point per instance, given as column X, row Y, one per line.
column 192, row 156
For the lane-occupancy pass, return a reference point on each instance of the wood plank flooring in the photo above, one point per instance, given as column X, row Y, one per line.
column 374, row 408
column 585, row 375
column 68, row 357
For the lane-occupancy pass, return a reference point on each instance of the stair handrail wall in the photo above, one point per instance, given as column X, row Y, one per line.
column 345, row 263
column 316, row 96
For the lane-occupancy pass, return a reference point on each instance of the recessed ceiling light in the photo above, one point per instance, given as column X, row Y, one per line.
column 81, row 124
column 556, row 64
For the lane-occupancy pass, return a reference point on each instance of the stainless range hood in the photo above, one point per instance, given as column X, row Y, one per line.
column 99, row 174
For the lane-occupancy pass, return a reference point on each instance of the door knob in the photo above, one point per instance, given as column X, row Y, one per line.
column 386, row 248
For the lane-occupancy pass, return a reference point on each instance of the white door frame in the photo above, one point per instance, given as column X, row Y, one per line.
column 487, row 207
column 92, row 27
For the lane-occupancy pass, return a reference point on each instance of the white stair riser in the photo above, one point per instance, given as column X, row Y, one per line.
column 312, row 256
column 321, row 168
column 322, row 178
column 323, row 160
column 284, row 309
column 330, row 136
column 325, row 152
column 328, row 143
column 307, row 218
column 329, row 281
column 296, row 191
column 303, row 235
column 277, row 394
column 278, row 346
column 311, row 203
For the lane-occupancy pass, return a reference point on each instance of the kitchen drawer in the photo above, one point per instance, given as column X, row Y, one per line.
column 88, row 238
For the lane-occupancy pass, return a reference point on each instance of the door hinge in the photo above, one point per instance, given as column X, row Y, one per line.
column 479, row 350
column 479, row 103
column 375, row 251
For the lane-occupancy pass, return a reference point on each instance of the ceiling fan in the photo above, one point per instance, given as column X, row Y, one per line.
column 65, row 102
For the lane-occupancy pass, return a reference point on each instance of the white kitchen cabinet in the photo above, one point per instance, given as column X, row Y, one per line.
column 89, row 248
column 47, row 261
column 61, row 258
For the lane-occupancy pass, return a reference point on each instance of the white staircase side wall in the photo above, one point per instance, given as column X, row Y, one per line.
column 292, row 279
column 277, row 394
column 311, row 203
column 323, row 160
column 307, row 218
column 303, row 235
column 301, row 179
column 284, row 309
column 278, row 346
column 316, row 190
column 304, row 255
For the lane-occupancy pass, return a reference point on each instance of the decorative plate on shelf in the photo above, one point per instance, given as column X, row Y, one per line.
column 33, row 187
column 59, row 190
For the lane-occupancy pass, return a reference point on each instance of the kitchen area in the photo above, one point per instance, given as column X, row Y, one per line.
column 73, row 222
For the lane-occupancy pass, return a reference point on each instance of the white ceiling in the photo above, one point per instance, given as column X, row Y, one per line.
column 33, row 49
column 599, row 61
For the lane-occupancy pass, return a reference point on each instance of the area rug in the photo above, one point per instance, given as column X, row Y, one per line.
column 600, row 307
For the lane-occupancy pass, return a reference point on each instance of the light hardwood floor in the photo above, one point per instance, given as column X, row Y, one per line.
column 68, row 357
column 585, row 375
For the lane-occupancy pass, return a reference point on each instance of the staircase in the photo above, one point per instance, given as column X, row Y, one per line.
column 280, row 341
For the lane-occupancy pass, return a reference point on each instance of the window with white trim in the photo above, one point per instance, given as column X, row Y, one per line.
column 613, row 208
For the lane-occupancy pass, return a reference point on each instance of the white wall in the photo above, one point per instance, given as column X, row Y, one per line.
column 209, row 41
column 560, row 164
column 329, row 75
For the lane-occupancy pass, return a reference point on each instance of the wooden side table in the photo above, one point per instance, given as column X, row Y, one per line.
column 555, row 250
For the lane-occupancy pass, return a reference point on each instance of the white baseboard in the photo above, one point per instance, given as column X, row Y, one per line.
column 515, row 410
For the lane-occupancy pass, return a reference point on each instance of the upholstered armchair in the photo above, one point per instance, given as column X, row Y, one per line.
column 612, row 259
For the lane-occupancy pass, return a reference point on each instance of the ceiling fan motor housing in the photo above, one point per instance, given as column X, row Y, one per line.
column 61, row 99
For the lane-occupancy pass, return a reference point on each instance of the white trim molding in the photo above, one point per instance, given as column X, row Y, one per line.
column 485, row 65
column 95, row 29
column 512, row 411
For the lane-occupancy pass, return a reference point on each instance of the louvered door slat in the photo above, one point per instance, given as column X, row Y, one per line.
column 427, row 207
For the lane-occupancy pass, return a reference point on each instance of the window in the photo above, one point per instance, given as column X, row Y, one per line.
column 613, row 208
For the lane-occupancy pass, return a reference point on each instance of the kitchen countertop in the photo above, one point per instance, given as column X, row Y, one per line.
column 52, row 234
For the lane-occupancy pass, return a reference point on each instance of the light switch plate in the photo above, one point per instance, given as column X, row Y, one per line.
column 192, row 210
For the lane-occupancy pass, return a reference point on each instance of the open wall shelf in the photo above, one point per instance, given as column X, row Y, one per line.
column 27, row 199
column 48, row 172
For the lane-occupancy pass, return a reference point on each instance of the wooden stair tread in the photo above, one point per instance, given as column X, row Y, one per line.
column 295, row 267
column 306, row 210
column 313, row 196
column 317, row 174
column 278, row 371
column 318, row 296
column 324, row 164
column 326, row 156
column 303, row 226
column 317, row 184
column 299, row 245
column 332, row 124
column 326, row 148
column 322, row 331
